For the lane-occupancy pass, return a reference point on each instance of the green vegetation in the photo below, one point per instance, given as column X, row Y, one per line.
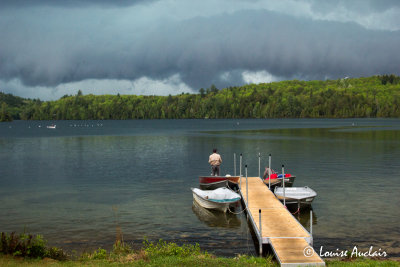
column 176, row 261
column 26, row 245
column 376, row 96
column 11, row 106
column 4, row 113
column 362, row 262
column 152, row 254
column 168, row 254
column 14, row 252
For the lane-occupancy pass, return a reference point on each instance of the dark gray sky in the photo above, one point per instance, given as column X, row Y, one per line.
column 50, row 48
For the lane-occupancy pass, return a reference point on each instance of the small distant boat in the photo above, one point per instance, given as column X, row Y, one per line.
column 300, row 196
column 53, row 126
column 213, row 182
column 218, row 199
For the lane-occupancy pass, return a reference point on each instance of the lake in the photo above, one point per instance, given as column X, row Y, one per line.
column 86, row 182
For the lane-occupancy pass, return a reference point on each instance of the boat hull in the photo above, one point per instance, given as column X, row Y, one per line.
column 233, row 181
column 278, row 182
column 209, row 204
column 214, row 205
column 292, row 201
column 214, row 185
column 296, row 196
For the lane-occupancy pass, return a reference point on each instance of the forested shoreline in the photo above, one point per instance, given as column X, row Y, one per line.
column 376, row 96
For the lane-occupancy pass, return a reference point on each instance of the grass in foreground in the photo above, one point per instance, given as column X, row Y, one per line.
column 152, row 254
column 362, row 262
column 159, row 261
column 192, row 261
column 26, row 250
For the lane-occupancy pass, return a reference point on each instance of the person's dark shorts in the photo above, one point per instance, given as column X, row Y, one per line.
column 215, row 170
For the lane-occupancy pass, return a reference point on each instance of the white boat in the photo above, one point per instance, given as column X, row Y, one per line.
column 218, row 199
column 300, row 196
column 53, row 126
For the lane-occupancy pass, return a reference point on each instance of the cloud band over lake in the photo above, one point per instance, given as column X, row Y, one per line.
column 186, row 45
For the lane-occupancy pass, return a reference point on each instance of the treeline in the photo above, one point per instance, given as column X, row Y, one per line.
column 376, row 96
column 11, row 106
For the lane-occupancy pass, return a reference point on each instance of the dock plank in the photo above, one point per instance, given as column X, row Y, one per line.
column 277, row 223
column 286, row 235
column 291, row 251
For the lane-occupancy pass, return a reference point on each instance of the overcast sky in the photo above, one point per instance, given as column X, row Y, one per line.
column 49, row 48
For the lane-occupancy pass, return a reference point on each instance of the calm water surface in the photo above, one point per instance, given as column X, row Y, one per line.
column 85, row 182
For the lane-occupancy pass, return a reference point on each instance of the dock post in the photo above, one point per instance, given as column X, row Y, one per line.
column 269, row 172
column 283, row 182
column 260, row 240
column 247, row 188
column 259, row 164
column 311, row 222
column 240, row 165
column 240, row 183
column 234, row 164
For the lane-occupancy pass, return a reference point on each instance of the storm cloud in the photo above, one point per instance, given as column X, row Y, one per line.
column 360, row 6
column 69, row 3
column 51, row 46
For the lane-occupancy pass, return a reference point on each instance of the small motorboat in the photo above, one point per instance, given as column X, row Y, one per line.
column 218, row 199
column 53, row 126
column 276, row 180
column 214, row 185
column 213, row 182
column 300, row 196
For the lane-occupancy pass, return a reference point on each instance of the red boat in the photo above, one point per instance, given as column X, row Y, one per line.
column 276, row 180
column 213, row 182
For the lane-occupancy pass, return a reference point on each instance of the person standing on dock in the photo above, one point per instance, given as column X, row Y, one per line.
column 215, row 161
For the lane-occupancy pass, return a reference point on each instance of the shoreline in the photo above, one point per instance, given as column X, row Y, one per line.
column 204, row 259
column 28, row 250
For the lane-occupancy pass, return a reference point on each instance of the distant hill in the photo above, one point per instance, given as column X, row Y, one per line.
column 11, row 106
column 376, row 96
column 11, row 100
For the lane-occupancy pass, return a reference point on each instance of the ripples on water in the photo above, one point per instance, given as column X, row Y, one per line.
column 79, row 184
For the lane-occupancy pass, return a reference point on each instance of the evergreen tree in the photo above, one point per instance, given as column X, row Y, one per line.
column 4, row 114
column 202, row 92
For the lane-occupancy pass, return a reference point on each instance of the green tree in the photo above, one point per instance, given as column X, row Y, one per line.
column 4, row 113
column 202, row 92
column 213, row 89
column 376, row 96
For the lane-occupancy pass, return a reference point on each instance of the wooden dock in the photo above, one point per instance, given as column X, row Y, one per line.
column 290, row 241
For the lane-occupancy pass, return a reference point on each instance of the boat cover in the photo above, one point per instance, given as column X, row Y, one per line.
column 222, row 194
column 296, row 192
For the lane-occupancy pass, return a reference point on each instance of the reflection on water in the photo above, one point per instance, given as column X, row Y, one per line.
column 304, row 217
column 216, row 218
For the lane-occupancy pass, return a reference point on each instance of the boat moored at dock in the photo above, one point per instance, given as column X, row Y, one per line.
column 299, row 196
column 276, row 180
column 214, row 185
column 213, row 182
column 218, row 199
